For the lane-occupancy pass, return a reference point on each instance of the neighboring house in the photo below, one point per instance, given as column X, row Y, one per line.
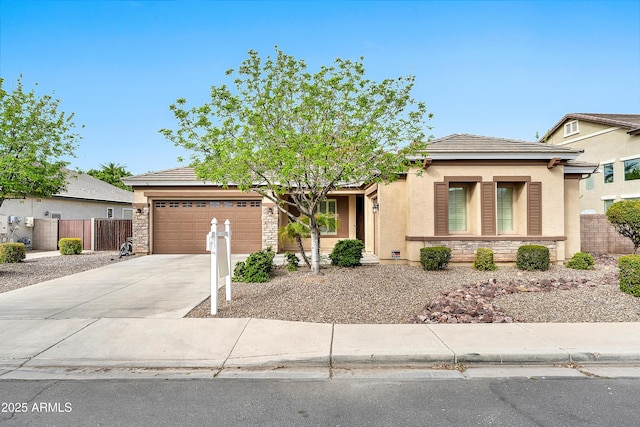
column 472, row 192
column 84, row 198
column 613, row 142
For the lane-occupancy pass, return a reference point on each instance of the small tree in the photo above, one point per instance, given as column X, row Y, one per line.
column 111, row 173
column 299, row 229
column 625, row 218
column 34, row 141
column 283, row 130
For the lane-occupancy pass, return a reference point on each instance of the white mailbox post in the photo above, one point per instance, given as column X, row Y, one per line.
column 220, row 261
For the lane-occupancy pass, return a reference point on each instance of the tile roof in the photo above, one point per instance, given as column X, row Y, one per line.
column 176, row 176
column 465, row 146
column 626, row 121
column 83, row 186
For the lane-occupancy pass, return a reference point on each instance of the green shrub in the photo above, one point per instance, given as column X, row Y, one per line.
column 292, row 261
column 238, row 272
column 12, row 252
column 484, row 260
column 629, row 266
column 624, row 216
column 347, row 253
column 581, row 261
column 532, row 257
column 435, row 258
column 258, row 266
column 70, row 246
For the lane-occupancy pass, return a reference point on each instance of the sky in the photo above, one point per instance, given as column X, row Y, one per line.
column 508, row 69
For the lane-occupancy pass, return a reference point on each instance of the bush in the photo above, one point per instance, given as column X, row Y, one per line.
column 484, row 260
column 12, row 252
column 258, row 266
column 238, row 272
column 625, row 218
column 347, row 253
column 581, row 261
column 70, row 246
column 292, row 261
column 435, row 258
column 532, row 257
column 629, row 267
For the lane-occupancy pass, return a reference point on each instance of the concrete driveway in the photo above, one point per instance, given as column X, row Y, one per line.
column 160, row 286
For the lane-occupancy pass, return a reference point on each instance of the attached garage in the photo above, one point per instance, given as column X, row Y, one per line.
column 181, row 226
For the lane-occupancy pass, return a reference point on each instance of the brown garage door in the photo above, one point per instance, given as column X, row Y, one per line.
column 181, row 226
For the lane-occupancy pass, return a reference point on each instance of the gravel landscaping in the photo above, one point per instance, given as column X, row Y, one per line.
column 36, row 270
column 394, row 293
column 459, row 294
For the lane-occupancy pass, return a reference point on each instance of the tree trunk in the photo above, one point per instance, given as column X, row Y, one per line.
column 301, row 247
column 315, row 248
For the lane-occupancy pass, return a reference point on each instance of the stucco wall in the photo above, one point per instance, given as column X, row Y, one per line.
column 602, row 143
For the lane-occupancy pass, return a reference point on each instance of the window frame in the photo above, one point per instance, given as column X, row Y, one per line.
column 124, row 216
column 465, row 188
column 513, row 212
column 325, row 210
column 604, row 173
column 636, row 168
column 111, row 212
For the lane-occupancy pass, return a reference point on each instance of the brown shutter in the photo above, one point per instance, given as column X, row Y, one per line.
column 441, row 206
column 534, row 208
column 488, row 209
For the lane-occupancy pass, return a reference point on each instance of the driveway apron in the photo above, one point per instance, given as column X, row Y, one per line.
column 156, row 286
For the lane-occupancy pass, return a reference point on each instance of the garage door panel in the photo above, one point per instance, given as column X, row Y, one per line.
column 182, row 226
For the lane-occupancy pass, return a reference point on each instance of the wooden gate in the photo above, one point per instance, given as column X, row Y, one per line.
column 76, row 228
column 111, row 233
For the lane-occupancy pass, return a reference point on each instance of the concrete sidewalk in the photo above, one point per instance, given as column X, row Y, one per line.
column 129, row 315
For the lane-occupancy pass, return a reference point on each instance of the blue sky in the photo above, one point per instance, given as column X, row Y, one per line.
column 503, row 69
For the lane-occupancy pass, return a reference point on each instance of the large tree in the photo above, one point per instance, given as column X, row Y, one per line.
column 293, row 135
column 35, row 141
column 111, row 173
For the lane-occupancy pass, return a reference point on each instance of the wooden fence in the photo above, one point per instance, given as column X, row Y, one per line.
column 111, row 233
column 103, row 235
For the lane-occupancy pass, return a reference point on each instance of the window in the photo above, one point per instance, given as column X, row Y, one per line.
column 504, row 207
column 201, row 204
column 241, row 204
column 329, row 207
column 457, row 209
column 590, row 182
column 608, row 173
column 174, row 204
column 161, row 205
column 255, row 203
column 607, row 204
column 187, row 204
column 631, row 169
column 110, row 213
column 571, row 128
column 227, row 204
column 214, row 204
column 127, row 213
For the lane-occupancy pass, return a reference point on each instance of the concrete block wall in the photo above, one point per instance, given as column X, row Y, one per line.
column 597, row 235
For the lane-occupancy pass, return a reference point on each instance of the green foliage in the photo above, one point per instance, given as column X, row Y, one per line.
column 282, row 129
column 484, row 260
column 581, row 261
column 533, row 257
column 347, row 253
column 435, row 258
column 238, row 271
column 258, row 266
column 111, row 173
column 292, row 261
column 12, row 252
column 35, row 141
column 629, row 267
column 625, row 218
column 70, row 246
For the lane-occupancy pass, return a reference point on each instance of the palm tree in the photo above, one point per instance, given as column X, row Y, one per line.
column 298, row 230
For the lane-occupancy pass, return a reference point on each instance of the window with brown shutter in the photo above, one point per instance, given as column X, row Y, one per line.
column 488, row 209
column 441, row 206
column 534, row 208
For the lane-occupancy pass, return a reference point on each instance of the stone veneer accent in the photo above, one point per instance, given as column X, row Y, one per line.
column 141, row 229
column 503, row 250
column 270, row 226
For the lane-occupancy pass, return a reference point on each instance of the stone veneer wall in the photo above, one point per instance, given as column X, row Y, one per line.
column 270, row 227
column 141, row 230
column 503, row 250
column 597, row 235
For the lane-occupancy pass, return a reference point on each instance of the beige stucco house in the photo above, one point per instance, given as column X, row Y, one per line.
column 613, row 142
column 466, row 192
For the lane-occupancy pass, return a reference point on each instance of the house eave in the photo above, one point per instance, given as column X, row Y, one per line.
column 497, row 156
